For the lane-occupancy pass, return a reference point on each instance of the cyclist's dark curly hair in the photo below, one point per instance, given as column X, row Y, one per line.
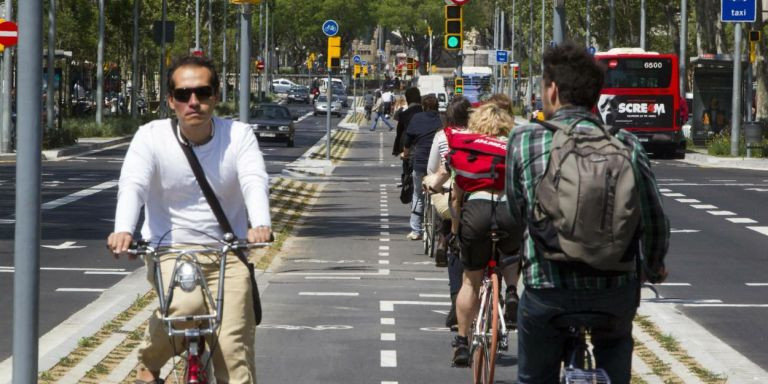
column 195, row 61
column 457, row 112
column 579, row 77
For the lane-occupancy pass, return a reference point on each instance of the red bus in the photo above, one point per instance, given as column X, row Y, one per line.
column 641, row 94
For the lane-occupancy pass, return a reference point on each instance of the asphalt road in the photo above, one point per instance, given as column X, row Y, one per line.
column 79, row 196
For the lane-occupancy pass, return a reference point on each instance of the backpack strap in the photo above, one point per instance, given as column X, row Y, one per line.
column 554, row 125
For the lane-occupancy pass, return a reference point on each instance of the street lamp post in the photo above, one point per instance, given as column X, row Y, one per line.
column 277, row 60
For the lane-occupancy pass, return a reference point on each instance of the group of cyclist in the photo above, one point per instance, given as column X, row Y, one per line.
column 156, row 175
column 571, row 83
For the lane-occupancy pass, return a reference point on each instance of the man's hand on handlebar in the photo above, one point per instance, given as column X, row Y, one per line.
column 119, row 242
column 260, row 234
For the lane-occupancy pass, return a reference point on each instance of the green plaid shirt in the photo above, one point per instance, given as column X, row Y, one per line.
column 527, row 157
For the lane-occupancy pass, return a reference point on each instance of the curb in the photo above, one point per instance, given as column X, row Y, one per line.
column 756, row 164
column 85, row 144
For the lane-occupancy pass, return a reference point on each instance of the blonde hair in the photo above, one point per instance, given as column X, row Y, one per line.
column 492, row 120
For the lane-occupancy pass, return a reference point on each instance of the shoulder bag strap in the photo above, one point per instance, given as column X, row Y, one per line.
column 210, row 197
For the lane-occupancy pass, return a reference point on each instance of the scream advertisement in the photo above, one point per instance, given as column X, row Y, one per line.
column 637, row 111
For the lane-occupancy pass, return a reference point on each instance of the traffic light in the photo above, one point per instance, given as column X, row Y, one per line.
column 458, row 85
column 334, row 52
column 409, row 66
column 516, row 72
column 754, row 36
column 454, row 30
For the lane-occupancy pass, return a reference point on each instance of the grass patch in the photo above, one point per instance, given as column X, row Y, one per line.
column 720, row 145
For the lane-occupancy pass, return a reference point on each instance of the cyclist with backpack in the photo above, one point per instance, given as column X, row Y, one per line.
column 595, row 223
column 476, row 158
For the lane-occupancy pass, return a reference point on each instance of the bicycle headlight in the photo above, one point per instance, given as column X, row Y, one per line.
column 187, row 276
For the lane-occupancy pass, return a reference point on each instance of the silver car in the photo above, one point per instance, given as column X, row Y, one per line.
column 321, row 106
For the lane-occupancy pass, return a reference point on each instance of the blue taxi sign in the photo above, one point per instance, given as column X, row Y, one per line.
column 330, row 28
column 737, row 11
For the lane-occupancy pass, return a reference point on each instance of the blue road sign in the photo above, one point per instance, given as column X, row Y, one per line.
column 737, row 11
column 363, row 62
column 501, row 56
column 330, row 28
column 591, row 50
column 356, row 59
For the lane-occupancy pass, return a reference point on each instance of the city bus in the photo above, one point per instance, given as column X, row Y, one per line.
column 641, row 94
column 477, row 83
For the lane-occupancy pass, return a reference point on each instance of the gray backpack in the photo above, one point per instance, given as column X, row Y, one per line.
column 587, row 207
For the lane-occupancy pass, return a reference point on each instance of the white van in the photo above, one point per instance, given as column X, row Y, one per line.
column 336, row 82
column 434, row 84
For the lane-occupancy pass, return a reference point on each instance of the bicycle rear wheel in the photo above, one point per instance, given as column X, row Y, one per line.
column 484, row 358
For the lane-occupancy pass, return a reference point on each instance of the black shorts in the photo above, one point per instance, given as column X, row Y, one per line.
column 474, row 232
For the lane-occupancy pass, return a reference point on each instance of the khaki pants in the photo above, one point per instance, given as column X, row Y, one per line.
column 233, row 354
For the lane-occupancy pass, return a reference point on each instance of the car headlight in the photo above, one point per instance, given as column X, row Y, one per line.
column 283, row 128
column 254, row 126
column 187, row 276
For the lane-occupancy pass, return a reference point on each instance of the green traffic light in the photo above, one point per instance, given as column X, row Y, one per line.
column 453, row 42
column 459, row 90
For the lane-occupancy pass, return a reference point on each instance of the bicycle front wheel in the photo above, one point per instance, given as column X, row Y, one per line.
column 484, row 358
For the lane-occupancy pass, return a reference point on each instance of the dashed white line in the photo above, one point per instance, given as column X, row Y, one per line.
column 763, row 230
column 727, row 305
column 383, row 254
column 741, row 220
column 674, row 284
column 383, row 233
column 80, row 289
column 721, row 213
column 329, row 294
column 383, row 247
column 388, row 359
column 386, row 239
column 673, row 194
column 389, row 305
column 430, row 278
column 332, row 277
column 756, row 284
column 435, row 295
column 703, row 206
column 388, row 337
column 384, row 262
column 387, row 321
column 688, row 201
column 79, row 195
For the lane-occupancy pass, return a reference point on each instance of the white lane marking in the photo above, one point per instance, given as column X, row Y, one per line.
column 382, row 185
column 384, row 262
column 663, row 190
column 688, row 201
column 329, row 294
column 79, row 195
column 756, row 189
column 7, row 221
column 430, row 278
column 388, row 359
column 673, row 194
column 386, row 336
column 684, row 301
column 664, row 180
column 684, row 230
column 440, row 311
column 389, row 305
column 763, row 230
column 106, row 273
column 727, row 305
column 387, row 321
column 71, row 269
column 384, row 226
column 674, row 284
column 741, row 220
column 384, row 240
column 384, row 220
column 332, row 277
column 80, row 289
column 722, row 181
column 384, row 214
column 721, row 213
column 381, row 272
column 381, row 148
column 64, row 245
column 435, row 295
column 704, row 206
column 383, row 247
column 320, row 261
column 417, row 262
column 383, row 233
column 383, row 254
column 756, row 284
column 289, row 327
column 389, row 382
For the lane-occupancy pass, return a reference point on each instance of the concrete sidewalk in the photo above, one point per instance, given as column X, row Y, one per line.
column 83, row 145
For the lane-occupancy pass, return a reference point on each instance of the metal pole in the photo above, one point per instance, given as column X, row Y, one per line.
column 50, row 88
column 245, row 56
column 558, row 22
column 328, row 116
column 529, row 92
column 197, row 24
column 99, row 67
column 135, row 60
column 26, row 281
column 210, row 28
column 225, row 84
column 266, row 46
column 642, row 24
column 5, row 146
column 262, row 84
column 736, row 100
column 612, row 28
column 586, row 35
column 163, row 81
column 495, row 45
column 543, row 44
column 502, row 25
column 429, row 62
column 512, row 92
column 683, row 45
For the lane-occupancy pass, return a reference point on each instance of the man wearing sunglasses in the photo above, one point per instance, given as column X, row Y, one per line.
column 157, row 175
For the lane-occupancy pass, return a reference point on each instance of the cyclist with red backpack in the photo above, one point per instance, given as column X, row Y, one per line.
column 595, row 224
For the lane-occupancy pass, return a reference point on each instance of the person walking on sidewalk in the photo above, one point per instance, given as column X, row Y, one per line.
column 381, row 109
column 587, row 267
column 416, row 145
column 157, row 176
column 368, row 101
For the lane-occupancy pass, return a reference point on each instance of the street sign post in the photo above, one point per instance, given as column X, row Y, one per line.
column 330, row 29
column 735, row 11
column 9, row 33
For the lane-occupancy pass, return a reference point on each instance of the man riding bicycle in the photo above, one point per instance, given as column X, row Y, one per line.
column 156, row 175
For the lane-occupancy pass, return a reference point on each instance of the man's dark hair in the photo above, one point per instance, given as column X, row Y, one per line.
column 197, row 61
column 412, row 95
column 578, row 75
column 457, row 112
column 429, row 102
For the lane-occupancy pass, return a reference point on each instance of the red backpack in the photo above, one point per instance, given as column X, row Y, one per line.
column 477, row 160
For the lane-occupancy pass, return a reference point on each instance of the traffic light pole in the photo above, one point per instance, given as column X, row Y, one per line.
column 328, row 92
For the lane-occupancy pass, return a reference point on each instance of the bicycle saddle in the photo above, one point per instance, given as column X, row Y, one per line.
column 591, row 320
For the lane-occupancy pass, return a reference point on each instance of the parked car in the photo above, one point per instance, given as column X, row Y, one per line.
column 298, row 94
column 282, row 85
column 321, row 106
column 273, row 122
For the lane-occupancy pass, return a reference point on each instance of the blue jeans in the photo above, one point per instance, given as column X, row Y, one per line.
column 417, row 203
column 382, row 117
column 541, row 346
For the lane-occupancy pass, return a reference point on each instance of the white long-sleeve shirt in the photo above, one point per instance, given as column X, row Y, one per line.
column 157, row 175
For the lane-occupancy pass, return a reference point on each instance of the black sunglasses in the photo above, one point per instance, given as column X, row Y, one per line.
column 183, row 94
